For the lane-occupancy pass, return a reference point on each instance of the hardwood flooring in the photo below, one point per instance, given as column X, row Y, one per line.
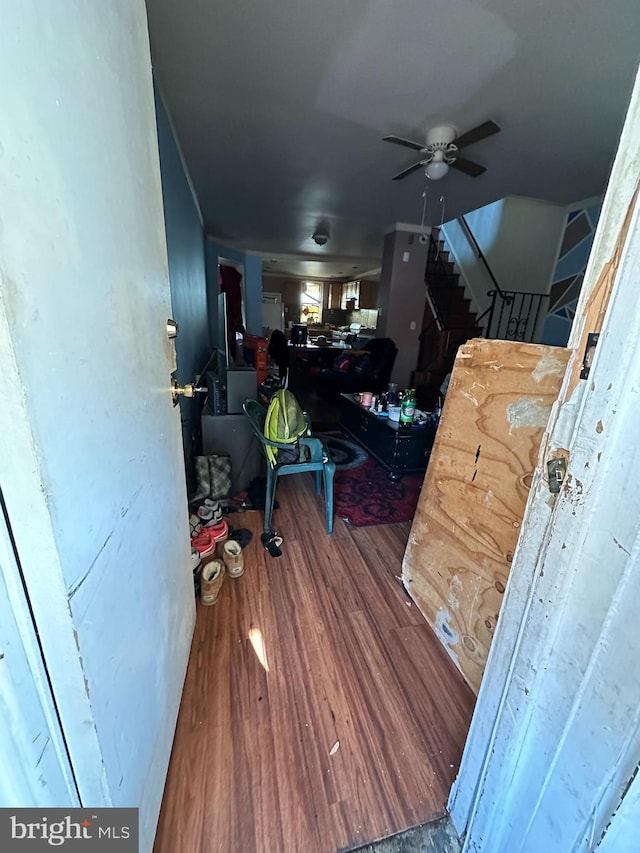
column 319, row 710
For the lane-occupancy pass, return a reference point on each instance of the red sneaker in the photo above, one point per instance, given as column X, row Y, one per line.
column 204, row 543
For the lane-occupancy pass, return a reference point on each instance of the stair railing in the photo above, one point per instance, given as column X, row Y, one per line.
column 512, row 314
column 435, row 269
column 467, row 229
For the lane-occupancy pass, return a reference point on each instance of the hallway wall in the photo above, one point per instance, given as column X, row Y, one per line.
column 519, row 238
column 401, row 297
column 186, row 253
column 568, row 272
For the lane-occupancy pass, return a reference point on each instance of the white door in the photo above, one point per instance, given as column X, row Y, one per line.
column 32, row 750
column 91, row 469
column 552, row 757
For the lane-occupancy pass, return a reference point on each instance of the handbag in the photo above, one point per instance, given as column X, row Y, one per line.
column 219, row 477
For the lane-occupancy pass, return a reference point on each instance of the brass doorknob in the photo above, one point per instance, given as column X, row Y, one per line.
column 188, row 390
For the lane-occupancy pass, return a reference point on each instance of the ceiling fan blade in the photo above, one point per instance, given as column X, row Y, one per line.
column 406, row 142
column 408, row 171
column 470, row 168
column 475, row 135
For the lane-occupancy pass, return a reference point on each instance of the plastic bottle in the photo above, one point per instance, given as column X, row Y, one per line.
column 408, row 406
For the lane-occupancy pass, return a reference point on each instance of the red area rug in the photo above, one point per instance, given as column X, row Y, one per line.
column 363, row 494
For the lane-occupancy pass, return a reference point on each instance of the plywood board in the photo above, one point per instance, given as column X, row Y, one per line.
column 472, row 502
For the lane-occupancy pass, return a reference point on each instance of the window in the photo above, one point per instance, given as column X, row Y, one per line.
column 310, row 302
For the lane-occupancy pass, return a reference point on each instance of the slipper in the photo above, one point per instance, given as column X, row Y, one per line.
column 272, row 542
column 242, row 536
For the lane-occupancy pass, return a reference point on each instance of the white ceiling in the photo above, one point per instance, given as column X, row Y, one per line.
column 280, row 108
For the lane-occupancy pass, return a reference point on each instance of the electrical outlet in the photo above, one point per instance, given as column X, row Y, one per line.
column 412, row 326
column 405, row 257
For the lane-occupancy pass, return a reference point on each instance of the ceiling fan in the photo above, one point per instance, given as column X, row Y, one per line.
column 441, row 150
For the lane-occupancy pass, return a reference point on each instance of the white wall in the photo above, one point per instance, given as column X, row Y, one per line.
column 519, row 238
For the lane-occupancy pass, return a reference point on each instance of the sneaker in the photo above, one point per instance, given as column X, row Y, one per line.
column 211, row 580
column 233, row 559
column 218, row 532
column 204, row 543
column 217, row 525
column 210, row 512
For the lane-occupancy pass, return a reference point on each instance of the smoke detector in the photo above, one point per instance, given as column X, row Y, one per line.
column 320, row 236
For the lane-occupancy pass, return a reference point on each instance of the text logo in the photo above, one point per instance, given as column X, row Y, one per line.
column 69, row 830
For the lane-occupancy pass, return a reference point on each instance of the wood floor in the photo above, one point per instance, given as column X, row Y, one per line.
column 319, row 710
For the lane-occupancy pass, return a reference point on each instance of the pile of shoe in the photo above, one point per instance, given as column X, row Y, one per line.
column 208, row 528
column 210, row 538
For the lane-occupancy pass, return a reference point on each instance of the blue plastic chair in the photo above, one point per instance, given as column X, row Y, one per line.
column 319, row 461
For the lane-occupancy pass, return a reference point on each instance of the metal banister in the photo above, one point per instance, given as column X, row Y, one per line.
column 480, row 255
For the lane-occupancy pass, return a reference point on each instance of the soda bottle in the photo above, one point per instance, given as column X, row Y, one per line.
column 408, row 406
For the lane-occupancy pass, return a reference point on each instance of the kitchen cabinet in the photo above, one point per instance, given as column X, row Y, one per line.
column 291, row 295
column 335, row 295
column 368, row 294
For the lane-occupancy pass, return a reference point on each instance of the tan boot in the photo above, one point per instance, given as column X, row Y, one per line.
column 233, row 559
column 211, row 581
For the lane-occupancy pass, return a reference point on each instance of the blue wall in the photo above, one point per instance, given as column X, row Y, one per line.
column 252, row 285
column 566, row 280
column 186, row 251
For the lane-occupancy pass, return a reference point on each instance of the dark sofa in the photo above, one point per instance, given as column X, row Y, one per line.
column 368, row 369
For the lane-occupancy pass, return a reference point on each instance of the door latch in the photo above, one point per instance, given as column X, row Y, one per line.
column 556, row 469
column 189, row 390
column 589, row 352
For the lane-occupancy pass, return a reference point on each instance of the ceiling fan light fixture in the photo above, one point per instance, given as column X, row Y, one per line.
column 441, row 150
column 436, row 170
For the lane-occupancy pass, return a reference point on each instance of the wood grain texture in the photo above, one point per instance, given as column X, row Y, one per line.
column 347, row 658
column 472, row 502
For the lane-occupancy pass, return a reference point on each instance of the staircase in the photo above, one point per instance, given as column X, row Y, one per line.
column 447, row 323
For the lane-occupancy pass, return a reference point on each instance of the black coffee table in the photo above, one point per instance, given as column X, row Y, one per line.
column 398, row 448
